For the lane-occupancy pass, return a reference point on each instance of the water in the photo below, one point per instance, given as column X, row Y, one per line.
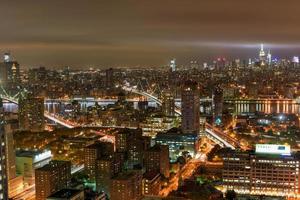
column 266, row 106
column 240, row 106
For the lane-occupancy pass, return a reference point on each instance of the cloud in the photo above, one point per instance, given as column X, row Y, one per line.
column 131, row 32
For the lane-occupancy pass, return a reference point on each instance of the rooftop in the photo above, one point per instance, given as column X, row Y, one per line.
column 29, row 153
column 124, row 176
column 65, row 193
column 54, row 163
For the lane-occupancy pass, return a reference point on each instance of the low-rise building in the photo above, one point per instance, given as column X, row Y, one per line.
column 270, row 170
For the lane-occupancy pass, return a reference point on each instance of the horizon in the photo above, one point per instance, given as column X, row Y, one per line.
column 132, row 33
column 180, row 62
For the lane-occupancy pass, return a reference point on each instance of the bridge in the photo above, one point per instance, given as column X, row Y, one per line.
column 14, row 99
column 212, row 132
column 150, row 96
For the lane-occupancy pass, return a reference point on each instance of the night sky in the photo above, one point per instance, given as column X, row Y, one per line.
column 96, row 33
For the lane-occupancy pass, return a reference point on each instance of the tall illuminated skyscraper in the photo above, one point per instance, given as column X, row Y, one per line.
column 168, row 103
column 190, row 107
column 173, row 65
column 9, row 73
column 3, row 171
column 262, row 55
column 217, row 105
column 269, row 58
column 10, row 152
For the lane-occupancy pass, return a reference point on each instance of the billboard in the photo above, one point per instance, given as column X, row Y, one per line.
column 273, row 149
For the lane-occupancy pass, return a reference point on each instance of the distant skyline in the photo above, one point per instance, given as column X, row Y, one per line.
column 101, row 33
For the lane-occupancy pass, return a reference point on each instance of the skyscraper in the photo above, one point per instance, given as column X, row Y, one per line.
column 3, row 160
column 262, row 55
column 217, row 105
column 14, row 183
column 10, row 152
column 109, row 78
column 9, row 73
column 190, row 107
column 269, row 58
column 173, row 65
column 168, row 103
column 31, row 113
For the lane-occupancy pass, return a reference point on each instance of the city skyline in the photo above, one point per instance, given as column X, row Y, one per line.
column 142, row 33
column 137, row 100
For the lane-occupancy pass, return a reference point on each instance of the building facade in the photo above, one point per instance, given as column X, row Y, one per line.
column 126, row 186
column 151, row 184
column 3, row 160
column 29, row 160
column 10, row 74
column 262, row 173
column 168, row 103
column 190, row 107
column 31, row 114
column 93, row 153
column 156, row 159
column 51, row 178
column 178, row 142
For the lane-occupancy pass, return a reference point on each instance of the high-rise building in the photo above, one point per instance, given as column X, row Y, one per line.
column 262, row 55
column 156, row 159
column 9, row 74
column 51, row 178
column 131, row 142
column 217, row 105
column 94, row 152
column 190, row 107
column 14, row 183
column 106, row 168
column 10, row 152
column 7, row 57
column 135, row 149
column 126, row 186
column 109, row 78
column 270, row 170
column 269, row 58
column 3, row 159
column 173, row 65
column 31, row 113
column 104, row 173
column 168, row 103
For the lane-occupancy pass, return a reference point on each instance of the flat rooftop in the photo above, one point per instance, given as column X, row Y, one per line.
column 65, row 193
column 28, row 153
